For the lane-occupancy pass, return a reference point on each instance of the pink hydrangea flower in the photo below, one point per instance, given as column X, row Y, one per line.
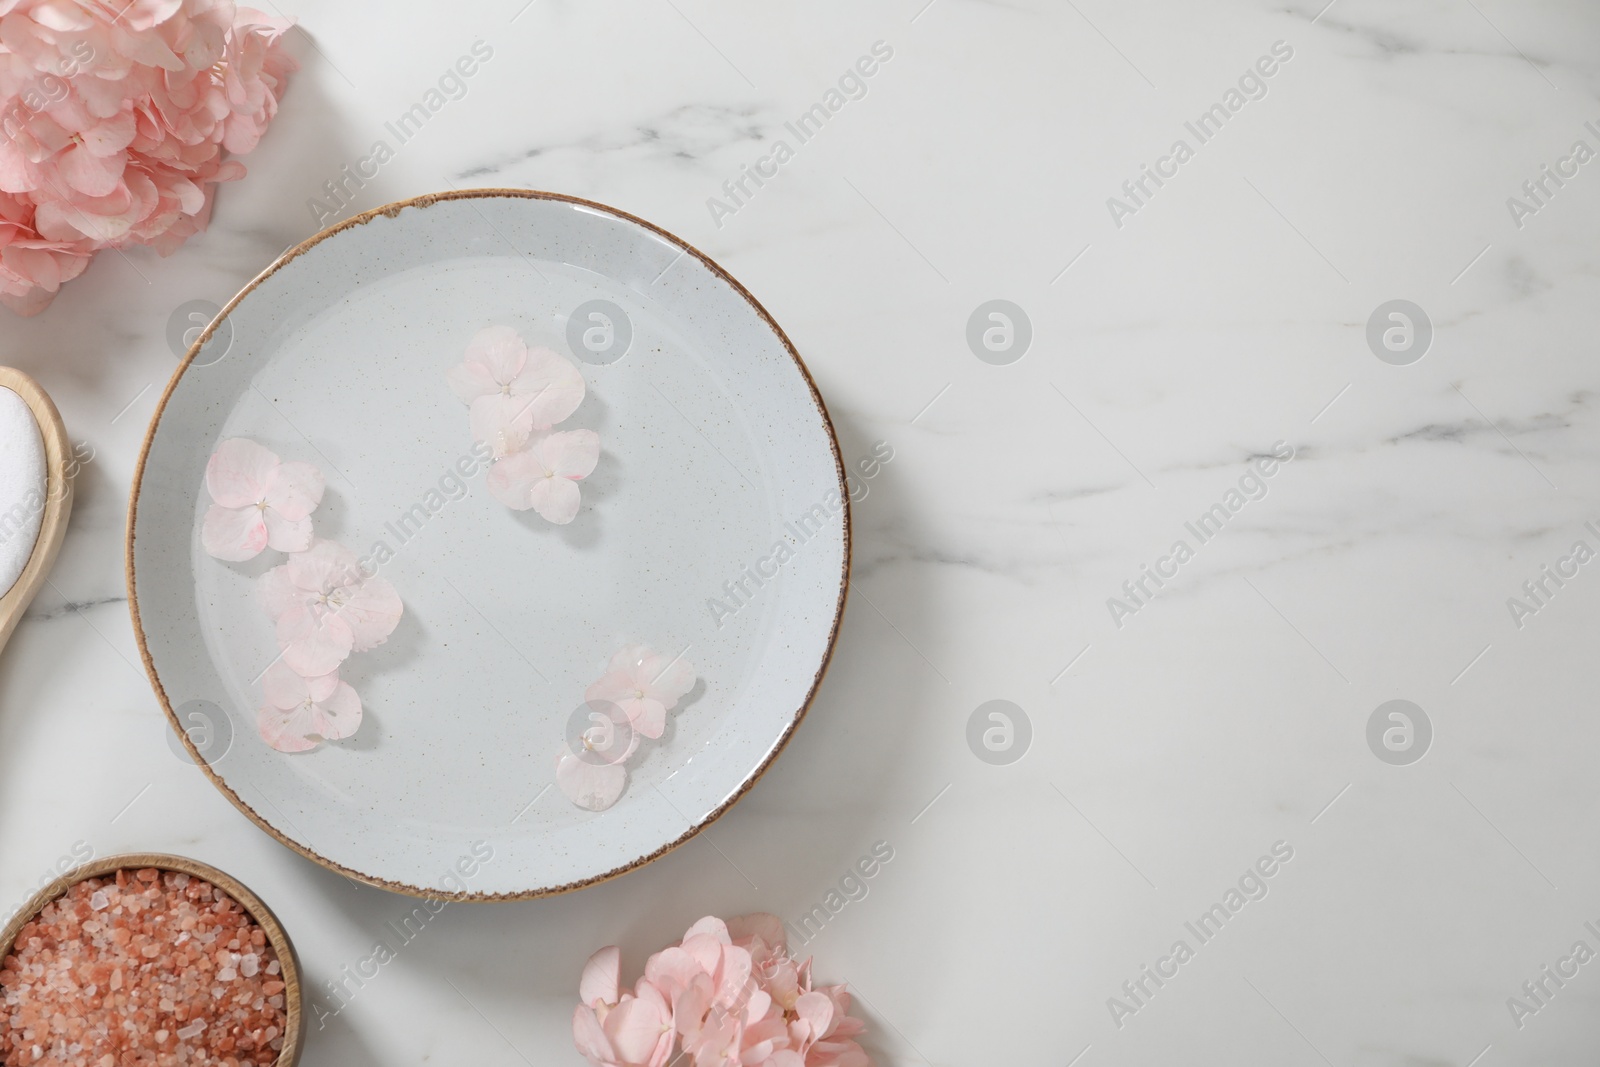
column 324, row 608
column 300, row 711
column 515, row 395
column 260, row 502
column 544, row 476
column 117, row 116
column 638, row 689
column 512, row 390
column 645, row 684
column 731, row 995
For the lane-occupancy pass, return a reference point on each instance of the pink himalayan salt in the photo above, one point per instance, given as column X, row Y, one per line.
column 108, row 975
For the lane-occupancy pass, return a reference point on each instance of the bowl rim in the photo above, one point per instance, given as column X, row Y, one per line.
column 391, row 210
column 59, row 470
column 294, row 1030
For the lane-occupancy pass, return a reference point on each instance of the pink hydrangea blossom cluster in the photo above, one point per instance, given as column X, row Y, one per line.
column 117, row 117
column 728, row 995
column 323, row 606
column 629, row 702
column 516, row 395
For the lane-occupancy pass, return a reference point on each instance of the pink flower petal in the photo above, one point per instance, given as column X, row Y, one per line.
column 234, row 534
column 645, row 684
column 281, row 731
column 511, row 480
column 278, row 592
column 62, row 18
column 372, row 610
column 555, row 499
column 500, row 351
column 284, row 535
column 283, row 688
column 692, row 1002
column 844, row 1024
column 323, row 566
column 656, row 1008
column 322, row 688
column 769, row 928
column 299, row 709
column 238, row 473
column 674, row 970
column 590, row 1037
column 513, row 390
column 736, row 968
column 593, row 786
column 90, row 174
column 287, row 729
column 755, row 1010
column 631, row 659
column 816, row 1012
column 470, row 381
column 610, row 737
column 111, row 136
column 551, row 385
column 613, row 687
column 502, row 422
column 753, row 1050
column 705, row 948
column 635, row 1028
column 295, row 489
column 627, row 658
column 782, row 981
column 717, row 1045
column 602, row 976
column 569, row 453
column 543, row 476
column 672, row 681
column 648, row 716
column 339, row 714
column 312, row 643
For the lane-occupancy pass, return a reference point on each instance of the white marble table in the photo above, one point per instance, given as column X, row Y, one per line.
column 1178, row 336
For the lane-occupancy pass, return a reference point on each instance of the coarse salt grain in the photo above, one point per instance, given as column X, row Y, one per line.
column 120, row 989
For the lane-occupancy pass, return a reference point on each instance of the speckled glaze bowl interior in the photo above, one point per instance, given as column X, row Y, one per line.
column 715, row 450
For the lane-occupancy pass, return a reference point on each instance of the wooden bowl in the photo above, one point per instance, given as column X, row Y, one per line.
column 60, row 465
column 294, row 1031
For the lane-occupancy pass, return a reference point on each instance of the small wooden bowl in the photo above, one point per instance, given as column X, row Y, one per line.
column 294, row 1031
column 59, row 467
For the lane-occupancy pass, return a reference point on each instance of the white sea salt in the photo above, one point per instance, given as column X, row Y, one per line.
column 23, row 486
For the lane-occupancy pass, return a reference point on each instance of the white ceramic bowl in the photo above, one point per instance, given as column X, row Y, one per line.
column 714, row 445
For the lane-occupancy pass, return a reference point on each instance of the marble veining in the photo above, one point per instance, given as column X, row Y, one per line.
column 1234, row 710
